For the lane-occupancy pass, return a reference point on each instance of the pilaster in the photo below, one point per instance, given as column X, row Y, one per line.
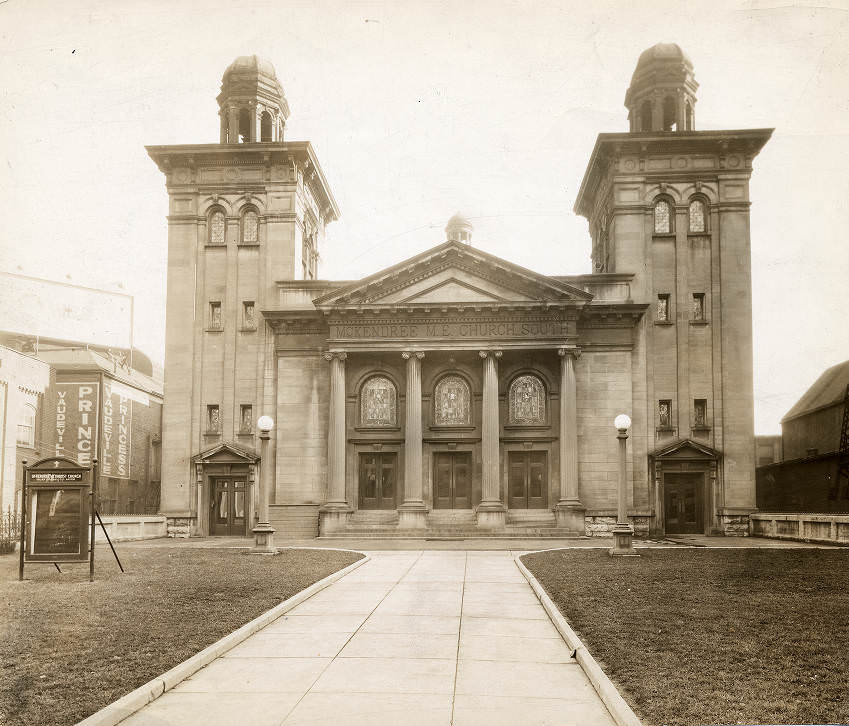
column 491, row 511
column 334, row 513
column 569, row 511
column 412, row 513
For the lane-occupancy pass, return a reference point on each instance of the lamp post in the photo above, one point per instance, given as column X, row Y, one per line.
column 264, row 532
column 623, row 532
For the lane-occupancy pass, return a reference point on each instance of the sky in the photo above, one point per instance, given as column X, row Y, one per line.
column 418, row 110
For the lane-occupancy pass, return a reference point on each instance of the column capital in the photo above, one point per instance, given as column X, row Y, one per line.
column 407, row 354
column 339, row 354
column 574, row 351
column 487, row 353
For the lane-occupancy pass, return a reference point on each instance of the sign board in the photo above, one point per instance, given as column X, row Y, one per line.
column 116, row 432
column 58, row 511
column 76, row 420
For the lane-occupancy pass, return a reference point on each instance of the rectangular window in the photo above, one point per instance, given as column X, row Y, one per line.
column 664, row 413
column 249, row 314
column 215, row 315
column 246, row 418
column 663, row 306
column 698, row 306
column 700, row 412
column 213, row 419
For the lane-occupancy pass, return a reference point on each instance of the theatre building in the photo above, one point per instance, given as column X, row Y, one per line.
column 456, row 392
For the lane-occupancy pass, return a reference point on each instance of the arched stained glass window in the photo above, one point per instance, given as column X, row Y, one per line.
column 662, row 218
column 452, row 402
column 378, row 402
column 527, row 400
column 697, row 215
column 250, row 225
column 216, row 228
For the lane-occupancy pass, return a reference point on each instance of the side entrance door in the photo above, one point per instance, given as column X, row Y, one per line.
column 378, row 480
column 227, row 516
column 528, row 479
column 683, row 503
column 452, row 480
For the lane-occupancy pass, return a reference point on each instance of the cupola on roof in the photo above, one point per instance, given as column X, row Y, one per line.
column 662, row 94
column 459, row 229
column 252, row 105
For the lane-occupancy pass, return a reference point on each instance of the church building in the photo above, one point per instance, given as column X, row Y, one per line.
column 457, row 393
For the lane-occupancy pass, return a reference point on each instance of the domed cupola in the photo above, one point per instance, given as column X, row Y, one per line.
column 251, row 104
column 459, row 229
column 662, row 95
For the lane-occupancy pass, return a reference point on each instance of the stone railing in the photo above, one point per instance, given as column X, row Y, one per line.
column 824, row 527
column 124, row 527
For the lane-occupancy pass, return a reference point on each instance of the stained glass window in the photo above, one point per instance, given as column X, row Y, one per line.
column 697, row 216
column 700, row 412
column 698, row 306
column 216, row 228
column 246, row 419
column 662, row 221
column 378, row 402
column 215, row 315
column 250, row 224
column 452, row 402
column 213, row 419
column 527, row 400
column 664, row 410
column 249, row 310
column 663, row 307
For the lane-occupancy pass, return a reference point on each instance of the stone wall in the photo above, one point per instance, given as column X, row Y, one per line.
column 601, row 525
column 180, row 527
column 825, row 528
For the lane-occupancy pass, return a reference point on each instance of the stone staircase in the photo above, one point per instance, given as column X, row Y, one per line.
column 452, row 524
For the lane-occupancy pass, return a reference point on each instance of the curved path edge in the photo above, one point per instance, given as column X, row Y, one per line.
column 619, row 709
column 127, row 705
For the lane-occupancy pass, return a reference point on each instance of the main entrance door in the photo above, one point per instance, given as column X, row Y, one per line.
column 228, row 507
column 528, row 479
column 452, row 480
column 377, row 480
column 683, row 503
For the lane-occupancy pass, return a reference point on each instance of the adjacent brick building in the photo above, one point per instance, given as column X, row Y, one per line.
column 457, row 391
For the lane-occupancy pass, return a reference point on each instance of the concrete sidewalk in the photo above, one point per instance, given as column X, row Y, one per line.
column 412, row 638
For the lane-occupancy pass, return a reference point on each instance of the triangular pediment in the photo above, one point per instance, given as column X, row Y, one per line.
column 453, row 273
column 685, row 449
column 226, row 453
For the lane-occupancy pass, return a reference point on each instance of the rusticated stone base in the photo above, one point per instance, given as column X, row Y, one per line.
column 332, row 520
column 180, row 527
column 602, row 526
column 734, row 525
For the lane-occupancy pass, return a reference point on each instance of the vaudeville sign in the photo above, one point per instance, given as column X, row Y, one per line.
column 57, row 496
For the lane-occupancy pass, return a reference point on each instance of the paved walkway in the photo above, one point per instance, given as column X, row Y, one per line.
column 413, row 638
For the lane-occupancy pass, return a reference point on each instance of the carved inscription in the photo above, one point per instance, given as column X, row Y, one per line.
column 538, row 329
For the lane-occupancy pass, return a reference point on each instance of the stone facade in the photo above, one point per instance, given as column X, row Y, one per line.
column 455, row 389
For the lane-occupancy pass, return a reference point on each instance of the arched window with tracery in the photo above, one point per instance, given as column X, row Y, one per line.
column 265, row 126
column 697, row 216
column 378, row 402
column 217, row 225
column 662, row 217
column 527, row 400
column 452, row 402
column 250, row 227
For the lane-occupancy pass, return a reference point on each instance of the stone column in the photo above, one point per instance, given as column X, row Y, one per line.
column 569, row 511
column 334, row 513
column 412, row 514
column 233, row 125
column 491, row 510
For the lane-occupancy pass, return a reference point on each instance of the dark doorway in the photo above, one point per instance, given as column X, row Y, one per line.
column 378, row 480
column 683, row 503
column 228, row 504
column 528, row 479
column 452, row 480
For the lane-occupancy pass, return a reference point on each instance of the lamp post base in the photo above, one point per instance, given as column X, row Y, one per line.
column 263, row 539
column 623, row 541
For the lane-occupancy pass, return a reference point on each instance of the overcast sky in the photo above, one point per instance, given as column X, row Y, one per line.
column 417, row 110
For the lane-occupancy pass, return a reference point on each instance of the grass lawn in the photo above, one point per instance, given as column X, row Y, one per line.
column 702, row 636
column 69, row 647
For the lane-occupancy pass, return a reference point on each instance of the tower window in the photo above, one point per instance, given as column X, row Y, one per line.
column 265, row 126
column 663, row 307
column 645, row 116
column 697, row 216
column 664, row 413
column 699, row 412
column 662, row 217
column 246, row 418
column 698, row 306
column 688, row 109
column 669, row 114
column 249, row 314
column 217, row 228
column 215, row 315
column 244, row 125
column 213, row 419
column 250, row 227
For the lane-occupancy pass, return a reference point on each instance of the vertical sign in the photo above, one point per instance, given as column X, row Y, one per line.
column 117, row 430
column 76, row 421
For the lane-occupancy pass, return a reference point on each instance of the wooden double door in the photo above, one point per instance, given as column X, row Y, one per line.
column 228, row 506
column 452, row 480
column 527, row 482
column 683, row 503
column 378, row 480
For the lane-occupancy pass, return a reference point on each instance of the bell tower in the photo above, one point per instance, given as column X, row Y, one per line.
column 244, row 216
column 662, row 94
